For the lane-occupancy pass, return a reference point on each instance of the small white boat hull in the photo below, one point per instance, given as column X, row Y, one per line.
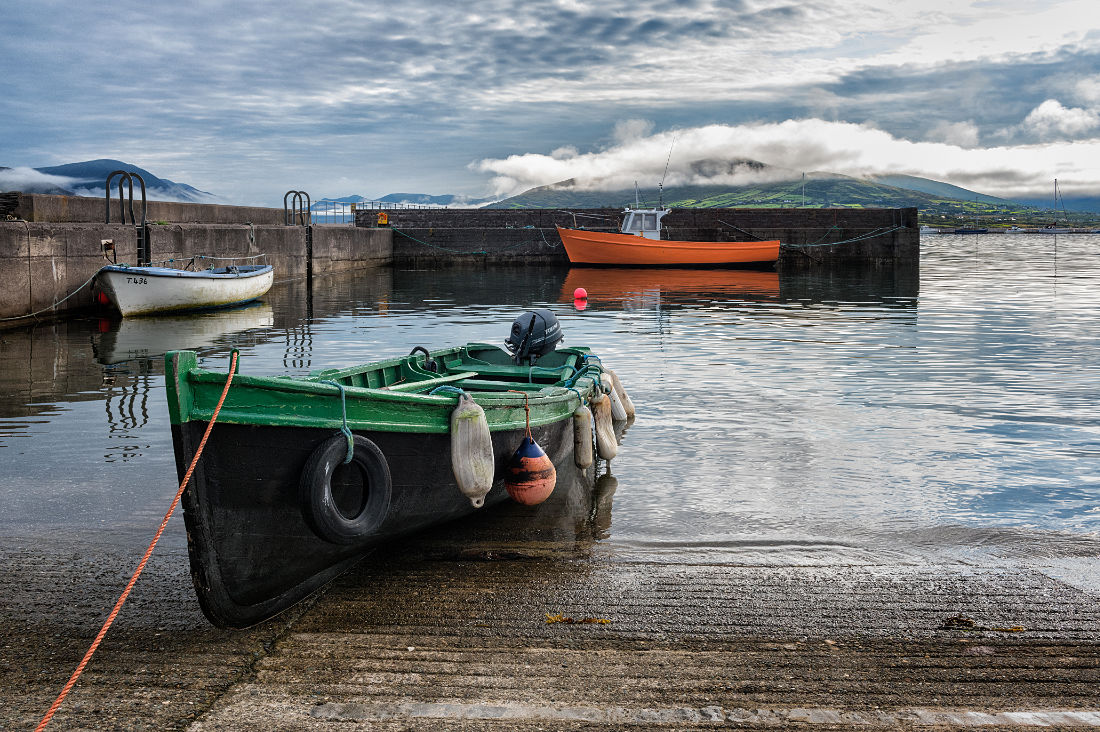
column 145, row 290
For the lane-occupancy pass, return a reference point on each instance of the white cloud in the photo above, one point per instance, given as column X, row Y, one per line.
column 632, row 129
column 1051, row 119
column 794, row 146
column 962, row 134
column 1088, row 90
column 564, row 153
column 18, row 179
column 960, row 30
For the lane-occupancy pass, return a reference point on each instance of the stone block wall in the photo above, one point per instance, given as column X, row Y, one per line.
column 811, row 237
column 42, row 263
column 42, row 208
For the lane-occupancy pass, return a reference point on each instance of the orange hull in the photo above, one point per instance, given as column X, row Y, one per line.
column 597, row 247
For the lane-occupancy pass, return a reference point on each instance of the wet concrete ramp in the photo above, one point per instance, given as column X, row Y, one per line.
column 427, row 636
column 462, row 644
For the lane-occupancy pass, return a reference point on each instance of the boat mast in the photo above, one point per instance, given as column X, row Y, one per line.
column 661, row 185
column 1057, row 198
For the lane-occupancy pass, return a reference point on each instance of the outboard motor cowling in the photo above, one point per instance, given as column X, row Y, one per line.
column 534, row 334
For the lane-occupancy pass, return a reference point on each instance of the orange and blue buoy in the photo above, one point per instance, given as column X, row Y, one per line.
column 530, row 475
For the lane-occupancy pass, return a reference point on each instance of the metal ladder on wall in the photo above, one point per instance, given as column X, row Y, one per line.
column 297, row 211
column 127, row 177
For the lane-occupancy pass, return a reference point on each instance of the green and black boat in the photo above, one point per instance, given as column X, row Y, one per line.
column 273, row 513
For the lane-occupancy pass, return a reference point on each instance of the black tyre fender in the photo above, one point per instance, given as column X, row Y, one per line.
column 315, row 491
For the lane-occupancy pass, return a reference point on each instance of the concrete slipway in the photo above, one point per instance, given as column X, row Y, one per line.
column 450, row 632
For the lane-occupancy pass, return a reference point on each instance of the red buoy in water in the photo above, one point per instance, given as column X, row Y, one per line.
column 530, row 475
column 580, row 294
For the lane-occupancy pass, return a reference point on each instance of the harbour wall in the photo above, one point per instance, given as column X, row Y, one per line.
column 811, row 237
column 45, row 260
column 41, row 208
column 52, row 245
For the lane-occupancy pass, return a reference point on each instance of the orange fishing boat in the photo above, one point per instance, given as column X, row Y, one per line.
column 639, row 243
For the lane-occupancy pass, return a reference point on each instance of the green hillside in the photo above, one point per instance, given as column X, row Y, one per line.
column 939, row 189
column 821, row 191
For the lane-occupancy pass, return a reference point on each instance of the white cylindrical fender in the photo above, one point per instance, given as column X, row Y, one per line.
column 606, row 445
column 471, row 450
column 623, row 397
column 618, row 411
column 582, row 437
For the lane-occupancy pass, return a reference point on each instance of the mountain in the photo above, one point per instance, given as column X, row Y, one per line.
column 937, row 189
column 821, row 190
column 89, row 178
column 937, row 202
column 91, row 175
column 1082, row 203
column 404, row 199
column 429, row 200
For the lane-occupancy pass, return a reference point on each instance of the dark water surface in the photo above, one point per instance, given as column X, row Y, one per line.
column 886, row 415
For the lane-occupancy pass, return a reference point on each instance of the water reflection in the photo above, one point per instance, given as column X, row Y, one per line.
column 298, row 353
column 633, row 288
column 575, row 517
column 783, row 417
column 628, row 288
column 127, row 339
column 127, row 407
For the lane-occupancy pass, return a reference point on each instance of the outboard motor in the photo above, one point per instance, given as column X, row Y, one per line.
column 534, row 334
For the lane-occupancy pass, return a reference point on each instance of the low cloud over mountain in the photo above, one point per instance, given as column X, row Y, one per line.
column 89, row 178
column 721, row 155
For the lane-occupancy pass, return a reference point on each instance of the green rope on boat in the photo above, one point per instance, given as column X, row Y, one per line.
column 583, row 370
column 448, row 389
column 345, row 429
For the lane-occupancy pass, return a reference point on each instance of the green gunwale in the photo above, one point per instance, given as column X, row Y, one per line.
column 483, row 371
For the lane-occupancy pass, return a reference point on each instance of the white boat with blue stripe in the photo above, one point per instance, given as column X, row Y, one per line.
column 147, row 289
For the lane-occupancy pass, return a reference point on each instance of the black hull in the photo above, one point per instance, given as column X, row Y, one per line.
column 253, row 554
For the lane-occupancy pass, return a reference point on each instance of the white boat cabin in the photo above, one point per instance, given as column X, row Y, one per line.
column 644, row 221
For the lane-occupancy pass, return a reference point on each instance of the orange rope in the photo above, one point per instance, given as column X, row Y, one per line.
column 526, row 410
column 144, row 559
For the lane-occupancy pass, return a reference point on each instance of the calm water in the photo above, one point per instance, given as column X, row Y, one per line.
column 886, row 415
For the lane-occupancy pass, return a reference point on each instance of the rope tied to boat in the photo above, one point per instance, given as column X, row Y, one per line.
column 584, row 370
column 51, row 307
column 448, row 389
column 820, row 243
column 148, row 552
column 344, row 427
column 526, row 411
column 749, row 234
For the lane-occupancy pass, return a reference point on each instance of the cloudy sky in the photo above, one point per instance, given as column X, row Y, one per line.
column 248, row 100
